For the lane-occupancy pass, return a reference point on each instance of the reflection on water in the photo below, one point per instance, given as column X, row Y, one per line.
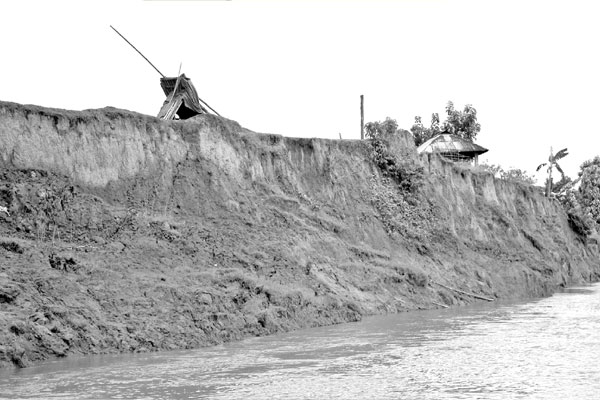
column 544, row 349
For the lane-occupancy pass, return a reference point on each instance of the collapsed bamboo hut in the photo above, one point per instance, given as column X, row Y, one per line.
column 182, row 100
column 452, row 147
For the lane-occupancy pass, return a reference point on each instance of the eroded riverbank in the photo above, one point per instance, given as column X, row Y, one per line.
column 125, row 233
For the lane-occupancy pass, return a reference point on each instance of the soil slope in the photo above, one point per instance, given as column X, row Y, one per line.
column 124, row 233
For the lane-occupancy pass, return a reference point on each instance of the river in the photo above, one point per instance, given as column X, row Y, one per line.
column 539, row 349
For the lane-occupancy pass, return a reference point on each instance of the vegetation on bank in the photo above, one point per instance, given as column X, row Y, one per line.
column 461, row 123
column 397, row 197
column 582, row 202
column 580, row 198
column 401, row 209
column 553, row 164
column 509, row 174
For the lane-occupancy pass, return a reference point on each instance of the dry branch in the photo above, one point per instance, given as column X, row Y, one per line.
column 463, row 292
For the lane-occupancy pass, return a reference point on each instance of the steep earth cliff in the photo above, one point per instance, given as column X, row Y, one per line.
column 124, row 233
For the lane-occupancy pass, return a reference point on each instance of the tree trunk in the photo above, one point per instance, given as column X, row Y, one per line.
column 549, row 184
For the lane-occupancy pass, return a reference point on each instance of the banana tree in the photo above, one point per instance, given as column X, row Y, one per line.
column 552, row 163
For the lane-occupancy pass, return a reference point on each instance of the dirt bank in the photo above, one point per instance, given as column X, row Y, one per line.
column 125, row 233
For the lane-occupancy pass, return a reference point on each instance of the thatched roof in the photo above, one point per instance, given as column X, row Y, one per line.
column 447, row 143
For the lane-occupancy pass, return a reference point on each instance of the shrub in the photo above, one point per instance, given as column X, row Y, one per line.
column 402, row 208
column 404, row 171
column 418, row 278
column 580, row 220
column 589, row 190
column 580, row 223
column 510, row 174
column 381, row 130
column 491, row 168
column 517, row 175
column 401, row 212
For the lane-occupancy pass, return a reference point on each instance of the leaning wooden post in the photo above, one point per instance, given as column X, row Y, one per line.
column 362, row 118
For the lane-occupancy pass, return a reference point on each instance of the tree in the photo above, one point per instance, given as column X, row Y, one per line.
column 374, row 130
column 419, row 132
column 462, row 123
column 589, row 189
column 553, row 163
column 422, row 134
column 435, row 124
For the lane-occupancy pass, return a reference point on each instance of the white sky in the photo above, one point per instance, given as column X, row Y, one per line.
column 298, row 68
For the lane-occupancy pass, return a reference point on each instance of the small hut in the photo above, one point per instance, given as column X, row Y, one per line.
column 182, row 99
column 452, row 147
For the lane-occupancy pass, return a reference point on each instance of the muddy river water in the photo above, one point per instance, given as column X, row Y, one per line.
column 538, row 349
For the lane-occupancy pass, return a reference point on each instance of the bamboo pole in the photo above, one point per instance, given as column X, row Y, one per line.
column 463, row 292
column 137, row 51
column 206, row 104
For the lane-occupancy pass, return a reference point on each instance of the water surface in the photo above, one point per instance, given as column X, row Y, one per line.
column 542, row 349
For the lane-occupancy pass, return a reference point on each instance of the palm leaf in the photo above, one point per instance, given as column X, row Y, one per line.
column 540, row 166
column 559, row 169
column 561, row 154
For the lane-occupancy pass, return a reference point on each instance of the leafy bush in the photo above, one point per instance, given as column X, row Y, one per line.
column 517, row 175
column 410, row 216
column 422, row 134
column 589, row 190
column 511, row 174
column 397, row 197
column 403, row 170
column 491, row 168
column 381, row 130
column 580, row 223
column 582, row 205
column 580, row 220
column 562, row 186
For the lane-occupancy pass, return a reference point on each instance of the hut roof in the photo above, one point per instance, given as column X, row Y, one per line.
column 182, row 98
column 449, row 143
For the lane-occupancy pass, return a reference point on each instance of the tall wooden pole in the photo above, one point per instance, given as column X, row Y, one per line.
column 362, row 118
